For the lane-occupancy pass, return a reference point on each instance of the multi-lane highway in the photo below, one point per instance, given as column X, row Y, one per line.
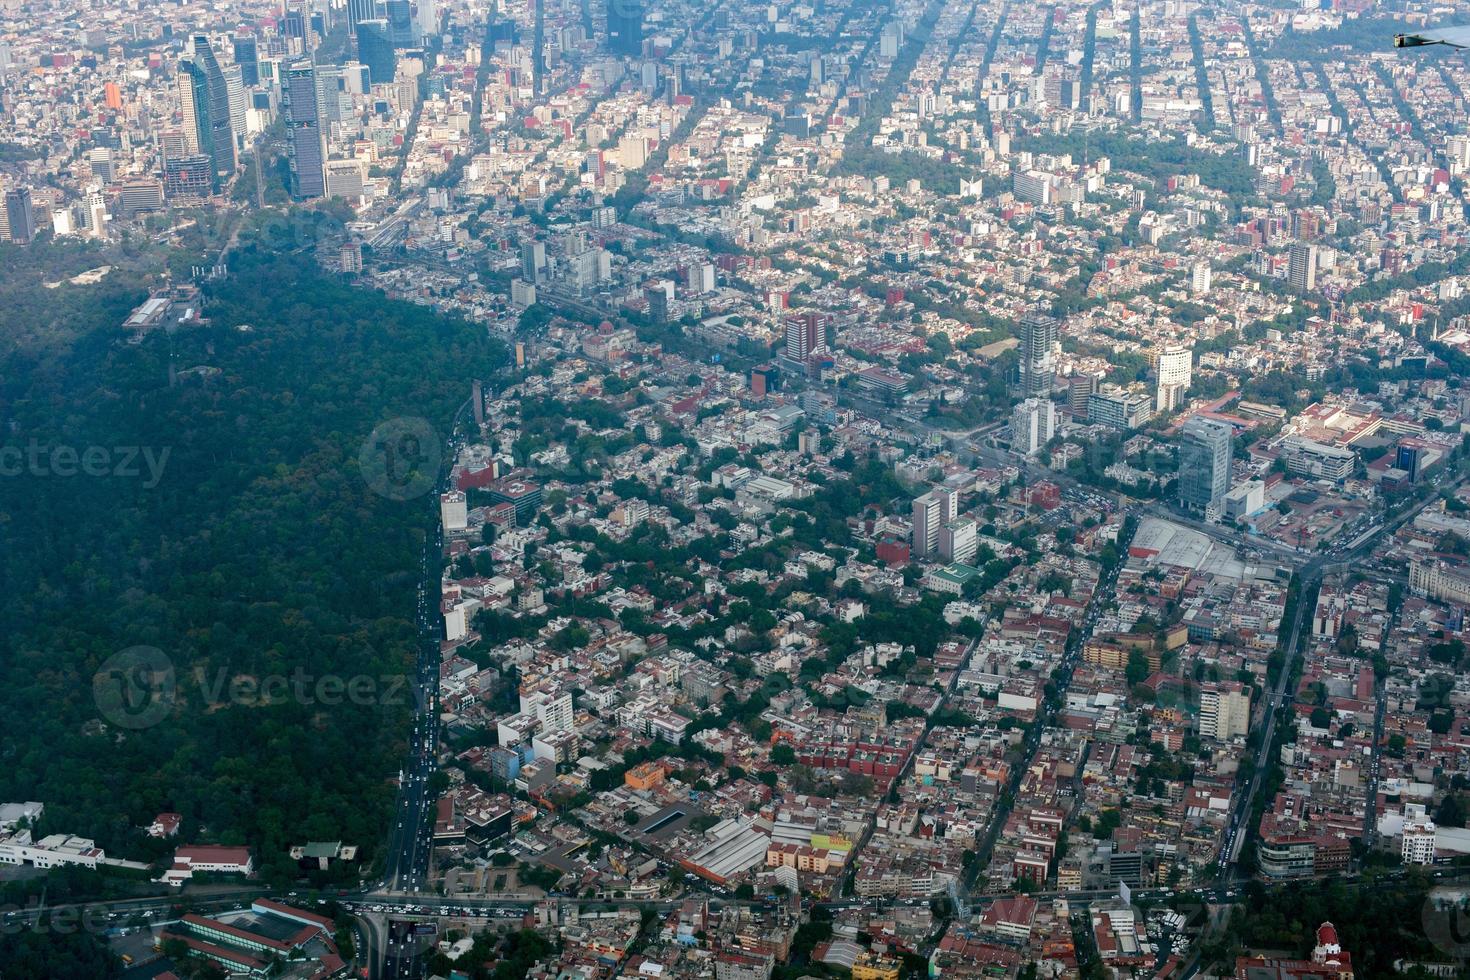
column 410, row 839
column 406, row 862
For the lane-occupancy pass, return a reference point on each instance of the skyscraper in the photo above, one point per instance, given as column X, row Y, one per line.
column 188, row 175
column 20, row 215
column 295, row 22
column 1080, row 388
column 94, row 210
column 658, row 297
column 1204, row 462
column 931, row 512
column 361, row 10
column 401, row 28
column 1175, row 367
column 1224, row 710
column 533, row 261
column 625, row 27
column 806, row 334
column 1200, row 277
column 247, row 56
column 958, row 540
column 187, row 109
column 206, row 101
column 926, row 525
column 1301, row 269
column 104, row 166
column 1032, row 424
column 174, row 143
column 332, row 101
column 304, row 128
column 235, row 87
column 375, row 49
column 1038, row 367
column 426, row 18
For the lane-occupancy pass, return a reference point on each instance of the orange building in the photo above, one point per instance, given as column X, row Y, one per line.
column 645, row 776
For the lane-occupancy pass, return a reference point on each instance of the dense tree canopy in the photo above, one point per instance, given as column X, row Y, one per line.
column 254, row 549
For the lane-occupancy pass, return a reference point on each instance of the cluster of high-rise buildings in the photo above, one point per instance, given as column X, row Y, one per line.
column 326, row 87
column 1205, row 445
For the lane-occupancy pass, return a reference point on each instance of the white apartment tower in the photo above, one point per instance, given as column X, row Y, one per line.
column 1200, row 277
column 931, row 512
column 926, row 525
column 553, row 711
column 1224, row 710
column 1301, row 269
column 959, row 540
column 1032, row 424
column 1175, row 376
column 1419, row 832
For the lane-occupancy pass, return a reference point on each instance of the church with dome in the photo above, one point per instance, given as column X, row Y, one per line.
column 1329, row 962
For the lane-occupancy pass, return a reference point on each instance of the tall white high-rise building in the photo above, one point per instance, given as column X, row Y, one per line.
column 806, row 334
column 926, row 525
column 1200, row 277
column 187, row 110
column 1456, row 151
column 959, row 540
column 235, row 90
column 949, row 502
column 1301, row 269
column 553, row 711
column 1033, row 422
column 95, row 209
column 1419, row 835
column 931, row 511
column 1175, row 365
column 1224, row 710
column 104, row 166
column 701, row 277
